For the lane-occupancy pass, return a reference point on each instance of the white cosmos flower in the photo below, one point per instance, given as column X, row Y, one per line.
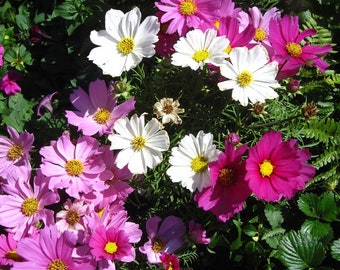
column 198, row 48
column 189, row 161
column 250, row 75
column 141, row 145
column 124, row 42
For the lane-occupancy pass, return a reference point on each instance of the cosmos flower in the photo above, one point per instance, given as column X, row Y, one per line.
column 8, row 250
column 170, row 261
column 277, row 169
column 249, row 75
column 189, row 161
column 290, row 51
column 164, row 236
column 97, row 111
column 197, row 233
column 168, row 110
column 198, row 48
column 141, row 144
column 124, row 42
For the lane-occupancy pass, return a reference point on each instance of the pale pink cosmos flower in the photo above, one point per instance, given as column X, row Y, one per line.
column 24, row 207
column 97, row 111
column 277, row 169
column 184, row 15
column 164, row 236
column 78, row 167
column 197, row 233
column 14, row 153
column 9, row 84
column 8, row 250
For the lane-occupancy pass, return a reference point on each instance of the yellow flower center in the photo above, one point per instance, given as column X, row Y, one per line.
column 126, row 45
column 57, row 264
column 187, row 7
column 13, row 255
column 228, row 49
column 138, row 143
column 266, row 168
column 245, row 78
column 260, row 34
column 110, row 247
column 217, row 24
column 101, row 212
column 101, row 116
column 226, row 176
column 30, row 206
column 199, row 164
column 72, row 217
column 157, row 244
column 293, row 49
column 200, row 55
column 15, row 152
column 74, row 167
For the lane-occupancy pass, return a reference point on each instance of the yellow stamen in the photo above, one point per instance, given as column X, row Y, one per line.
column 74, row 167
column 13, row 255
column 266, row 168
column 30, row 206
column 260, row 34
column 72, row 217
column 126, row 45
column 226, row 176
column 138, row 143
column 200, row 55
column 199, row 164
column 293, row 49
column 187, row 7
column 15, row 152
column 101, row 116
column 57, row 264
column 245, row 78
column 157, row 244
column 111, row 247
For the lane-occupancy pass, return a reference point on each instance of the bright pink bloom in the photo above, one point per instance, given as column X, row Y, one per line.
column 286, row 39
column 170, row 261
column 9, row 84
column 229, row 189
column 183, row 15
column 277, row 168
column 197, row 233
column 78, row 167
column 98, row 110
column 23, row 206
column 14, row 153
column 164, row 236
column 1, row 55
column 46, row 103
column 49, row 251
column 8, row 247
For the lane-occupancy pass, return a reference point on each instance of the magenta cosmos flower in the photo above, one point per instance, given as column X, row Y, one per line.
column 8, row 250
column 277, row 168
column 9, row 84
column 289, row 52
column 49, row 251
column 78, row 167
column 98, row 110
column 23, row 207
column 183, row 15
column 170, row 261
column 229, row 189
column 164, row 236
column 197, row 233
column 14, row 153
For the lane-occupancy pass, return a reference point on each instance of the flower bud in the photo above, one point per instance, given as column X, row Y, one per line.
column 293, row 86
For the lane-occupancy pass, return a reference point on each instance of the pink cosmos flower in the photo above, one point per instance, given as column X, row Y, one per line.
column 197, row 233
column 1, row 55
column 164, row 236
column 98, row 110
column 46, row 103
column 49, row 251
column 23, row 207
column 229, row 189
column 14, row 153
column 288, row 50
column 78, row 167
column 170, row 261
column 8, row 250
column 9, row 84
column 183, row 15
column 276, row 168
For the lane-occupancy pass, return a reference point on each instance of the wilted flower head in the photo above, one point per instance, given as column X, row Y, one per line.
column 46, row 103
column 309, row 110
column 168, row 109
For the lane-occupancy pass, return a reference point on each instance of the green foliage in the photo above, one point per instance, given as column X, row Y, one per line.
column 335, row 250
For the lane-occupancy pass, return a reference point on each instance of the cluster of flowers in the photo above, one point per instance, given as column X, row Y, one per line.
column 251, row 52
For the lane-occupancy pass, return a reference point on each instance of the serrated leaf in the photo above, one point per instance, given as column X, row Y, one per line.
column 315, row 228
column 327, row 208
column 335, row 250
column 273, row 215
column 307, row 203
column 300, row 251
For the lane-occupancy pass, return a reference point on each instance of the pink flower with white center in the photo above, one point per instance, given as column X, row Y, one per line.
column 9, row 84
column 8, row 250
column 289, row 50
column 78, row 167
column 197, row 233
column 164, row 236
column 97, row 111
column 183, row 15
column 71, row 218
column 14, row 153
column 23, row 207
column 49, row 251
column 277, row 169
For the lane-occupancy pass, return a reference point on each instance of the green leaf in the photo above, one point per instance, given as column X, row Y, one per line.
column 327, row 208
column 308, row 204
column 273, row 215
column 315, row 228
column 298, row 250
column 335, row 250
column 22, row 22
